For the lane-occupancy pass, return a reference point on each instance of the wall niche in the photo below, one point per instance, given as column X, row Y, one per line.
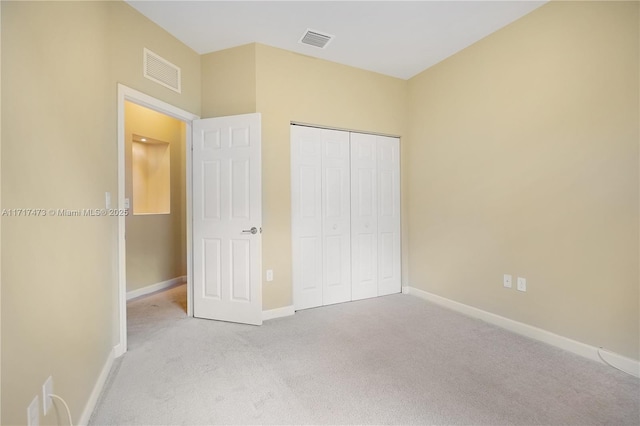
column 151, row 172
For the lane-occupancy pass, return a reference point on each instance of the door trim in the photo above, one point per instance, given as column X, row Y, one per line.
column 128, row 94
column 342, row 129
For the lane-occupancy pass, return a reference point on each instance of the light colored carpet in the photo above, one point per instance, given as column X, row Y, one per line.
column 389, row 360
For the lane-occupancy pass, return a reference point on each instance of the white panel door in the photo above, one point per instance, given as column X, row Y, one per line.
column 306, row 217
column 364, row 216
column 336, row 217
column 388, row 215
column 227, row 219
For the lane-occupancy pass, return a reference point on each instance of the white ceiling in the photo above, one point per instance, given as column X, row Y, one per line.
column 396, row 38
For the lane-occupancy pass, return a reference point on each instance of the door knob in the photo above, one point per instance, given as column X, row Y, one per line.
column 253, row 230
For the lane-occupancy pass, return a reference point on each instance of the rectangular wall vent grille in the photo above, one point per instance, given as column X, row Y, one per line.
column 316, row 39
column 162, row 71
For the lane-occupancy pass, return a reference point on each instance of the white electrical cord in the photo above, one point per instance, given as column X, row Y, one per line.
column 608, row 363
column 65, row 406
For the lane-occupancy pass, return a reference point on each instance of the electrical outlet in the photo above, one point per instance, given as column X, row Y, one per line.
column 522, row 284
column 33, row 412
column 269, row 274
column 507, row 281
column 47, row 389
column 107, row 200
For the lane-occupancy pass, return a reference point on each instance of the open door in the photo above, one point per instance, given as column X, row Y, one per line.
column 227, row 219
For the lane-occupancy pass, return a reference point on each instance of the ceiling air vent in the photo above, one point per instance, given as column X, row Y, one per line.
column 316, row 39
column 163, row 72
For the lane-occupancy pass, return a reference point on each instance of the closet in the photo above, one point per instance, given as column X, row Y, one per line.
column 345, row 215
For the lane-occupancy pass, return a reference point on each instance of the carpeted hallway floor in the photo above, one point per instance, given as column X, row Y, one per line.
column 389, row 360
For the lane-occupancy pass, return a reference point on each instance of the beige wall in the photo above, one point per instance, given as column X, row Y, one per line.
column 229, row 82
column 524, row 160
column 128, row 33
column 156, row 247
column 61, row 62
column 292, row 87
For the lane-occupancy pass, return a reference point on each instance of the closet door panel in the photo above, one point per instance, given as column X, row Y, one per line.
column 389, row 262
column 336, row 208
column 364, row 216
column 345, row 216
column 306, row 218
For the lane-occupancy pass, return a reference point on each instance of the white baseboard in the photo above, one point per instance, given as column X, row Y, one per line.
column 285, row 311
column 97, row 390
column 155, row 287
column 118, row 350
column 623, row 363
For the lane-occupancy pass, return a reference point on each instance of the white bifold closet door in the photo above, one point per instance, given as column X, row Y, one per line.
column 364, row 216
column 320, row 216
column 388, row 180
column 375, row 215
column 345, row 216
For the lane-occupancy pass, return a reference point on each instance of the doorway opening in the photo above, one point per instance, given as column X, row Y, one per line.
column 154, row 186
column 155, row 191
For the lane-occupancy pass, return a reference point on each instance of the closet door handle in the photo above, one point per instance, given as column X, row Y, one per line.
column 253, row 230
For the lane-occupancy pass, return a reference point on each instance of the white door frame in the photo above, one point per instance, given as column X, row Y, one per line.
column 128, row 94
